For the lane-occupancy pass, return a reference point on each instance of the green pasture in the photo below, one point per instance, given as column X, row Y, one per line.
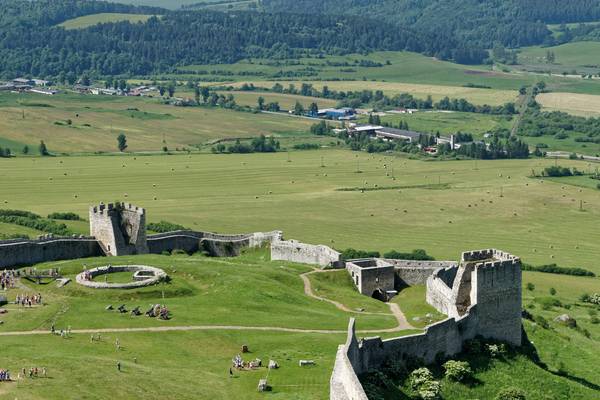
column 403, row 67
column 581, row 56
column 102, row 18
column 538, row 220
column 149, row 125
column 448, row 122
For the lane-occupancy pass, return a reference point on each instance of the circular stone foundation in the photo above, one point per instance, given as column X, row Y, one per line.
column 142, row 275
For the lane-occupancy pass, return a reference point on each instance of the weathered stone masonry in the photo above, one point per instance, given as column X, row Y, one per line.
column 482, row 296
column 122, row 231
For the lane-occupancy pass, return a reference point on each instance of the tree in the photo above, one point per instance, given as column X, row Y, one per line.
column 298, row 108
column 161, row 90
column 25, row 149
column 313, row 110
column 171, row 89
column 122, row 142
column 43, row 149
column 261, row 103
column 205, row 92
column 197, row 94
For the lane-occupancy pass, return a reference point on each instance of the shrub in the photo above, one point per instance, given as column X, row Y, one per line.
column 530, row 286
column 552, row 291
column 429, row 390
column 351, row 254
column 548, row 302
column 510, row 393
column 541, row 321
column 458, row 371
column 419, row 377
column 307, row 146
column 164, row 226
column 555, row 269
column 67, row 216
column 418, row 254
column 496, row 350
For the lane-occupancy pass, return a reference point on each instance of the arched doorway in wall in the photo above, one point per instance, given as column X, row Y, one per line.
column 380, row 295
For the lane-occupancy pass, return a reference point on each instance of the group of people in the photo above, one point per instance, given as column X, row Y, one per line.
column 7, row 279
column 159, row 311
column 33, row 372
column 238, row 363
column 28, row 300
column 4, row 375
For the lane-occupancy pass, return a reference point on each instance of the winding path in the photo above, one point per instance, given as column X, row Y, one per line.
column 394, row 308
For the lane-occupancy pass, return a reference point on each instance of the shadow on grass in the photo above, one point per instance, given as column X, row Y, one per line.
column 529, row 350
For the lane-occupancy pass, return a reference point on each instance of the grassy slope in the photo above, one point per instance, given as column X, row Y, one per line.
column 568, row 56
column 98, row 120
column 245, row 291
column 230, row 193
column 101, row 18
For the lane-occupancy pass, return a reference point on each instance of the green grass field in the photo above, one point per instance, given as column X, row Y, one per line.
column 580, row 56
column 102, row 18
column 538, row 220
column 96, row 121
column 231, row 193
column 449, row 122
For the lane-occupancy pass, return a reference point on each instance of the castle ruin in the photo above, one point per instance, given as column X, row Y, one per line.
column 120, row 229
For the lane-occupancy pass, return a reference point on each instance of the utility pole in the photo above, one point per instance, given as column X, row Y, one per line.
column 501, row 192
column 322, row 164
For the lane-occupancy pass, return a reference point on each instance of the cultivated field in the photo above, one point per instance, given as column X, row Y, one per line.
column 573, row 103
column 94, row 19
column 96, row 121
column 443, row 207
column 286, row 101
column 437, row 92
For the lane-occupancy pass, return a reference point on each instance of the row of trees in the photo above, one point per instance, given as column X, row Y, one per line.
column 379, row 100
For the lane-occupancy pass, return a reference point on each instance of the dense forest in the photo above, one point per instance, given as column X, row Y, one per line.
column 31, row 43
column 481, row 23
column 182, row 38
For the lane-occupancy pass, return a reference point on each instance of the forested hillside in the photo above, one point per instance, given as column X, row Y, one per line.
column 483, row 23
column 31, row 43
column 190, row 37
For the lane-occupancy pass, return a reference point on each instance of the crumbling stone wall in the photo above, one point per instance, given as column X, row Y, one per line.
column 292, row 250
column 491, row 309
column 371, row 275
column 19, row 252
column 412, row 272
column 216, row 245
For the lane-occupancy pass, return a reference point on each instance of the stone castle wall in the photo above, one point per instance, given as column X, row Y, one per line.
column 482, row 296
column 370, row 275
column 16, row 253
column 216, row 245
column 413, row 272
column 294, row 251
